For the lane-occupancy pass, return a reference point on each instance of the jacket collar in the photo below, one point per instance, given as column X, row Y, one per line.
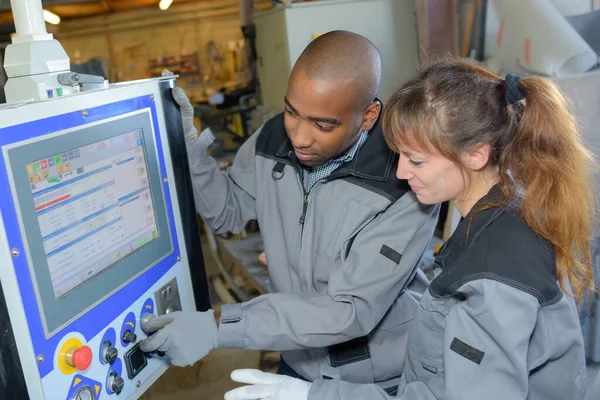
column 373, row 160
column 472, row 226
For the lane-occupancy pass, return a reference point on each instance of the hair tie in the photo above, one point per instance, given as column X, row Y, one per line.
column 513, row 93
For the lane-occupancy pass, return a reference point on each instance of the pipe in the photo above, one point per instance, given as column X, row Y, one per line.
column 29, row 18
column 222, row 292
column 246, row 11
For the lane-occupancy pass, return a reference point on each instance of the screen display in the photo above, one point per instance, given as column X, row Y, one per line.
column 93, row 206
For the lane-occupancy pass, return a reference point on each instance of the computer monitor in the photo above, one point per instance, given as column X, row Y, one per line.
column 93, row 210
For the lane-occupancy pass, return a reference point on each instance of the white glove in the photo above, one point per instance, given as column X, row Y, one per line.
column 267, row 386
column 185, row 337
column 187, row 119
column 187, row 113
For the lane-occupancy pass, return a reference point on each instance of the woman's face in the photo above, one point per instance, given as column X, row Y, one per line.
column 433, row 177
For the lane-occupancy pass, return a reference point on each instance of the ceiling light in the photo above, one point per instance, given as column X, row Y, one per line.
column 164, row 4
column 51, row 18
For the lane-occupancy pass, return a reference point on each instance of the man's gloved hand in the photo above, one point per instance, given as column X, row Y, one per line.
column 267, row 386
column 206, row 138
column 187, row 113
column 185, row 337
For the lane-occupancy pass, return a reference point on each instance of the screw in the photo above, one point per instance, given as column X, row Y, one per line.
column 40, row 358
column 84, row 113
column 14, row 252
column 138, row 384
column 178, row 258
column 152, row 97
column 165, row 180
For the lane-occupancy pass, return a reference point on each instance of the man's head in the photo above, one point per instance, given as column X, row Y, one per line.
column 331, row 94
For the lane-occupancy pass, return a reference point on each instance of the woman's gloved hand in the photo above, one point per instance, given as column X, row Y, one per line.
column 267, row 386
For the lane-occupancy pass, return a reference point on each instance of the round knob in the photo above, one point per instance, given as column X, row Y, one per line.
column 129, row 337
column 80, row 358
column 145, row 318
column 115, row 382
column 109, row 353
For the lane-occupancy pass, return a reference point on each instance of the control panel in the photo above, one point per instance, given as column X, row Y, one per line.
column 94, row 239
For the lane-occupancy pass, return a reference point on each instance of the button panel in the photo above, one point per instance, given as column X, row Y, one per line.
column 111, row 363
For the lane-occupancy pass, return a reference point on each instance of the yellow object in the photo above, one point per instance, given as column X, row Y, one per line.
column 76, row 382
column 51, row 18
column 316, row 35
column 437, row 248
column 62, row 357
column 97, row 389
column 164, row 4
column 237, row 125
column 468, row 29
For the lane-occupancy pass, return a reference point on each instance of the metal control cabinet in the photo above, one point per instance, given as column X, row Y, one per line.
column 83, row 344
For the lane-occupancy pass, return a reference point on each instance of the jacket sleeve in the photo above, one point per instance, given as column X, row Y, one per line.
column 486, row 343
column 225, row 201
column 382, row 258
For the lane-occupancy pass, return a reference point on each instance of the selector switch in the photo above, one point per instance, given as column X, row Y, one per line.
column 115, row 383
column 80, row 358
column 109, row 352
column 129, row 337
column 145, row 318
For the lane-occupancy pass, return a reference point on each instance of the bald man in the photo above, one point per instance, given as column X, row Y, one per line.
column 342, row 234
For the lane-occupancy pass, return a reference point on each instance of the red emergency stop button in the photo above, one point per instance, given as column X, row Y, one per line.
column 80, row 358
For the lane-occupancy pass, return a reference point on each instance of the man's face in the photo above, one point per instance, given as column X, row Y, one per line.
column 322, row 119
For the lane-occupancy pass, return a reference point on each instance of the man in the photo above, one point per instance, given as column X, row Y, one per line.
column 342, row 235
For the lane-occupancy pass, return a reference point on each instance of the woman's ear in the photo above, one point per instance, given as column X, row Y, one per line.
column 477, row 158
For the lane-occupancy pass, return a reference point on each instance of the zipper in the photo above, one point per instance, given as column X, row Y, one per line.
column 305, row 198
column 304, row 208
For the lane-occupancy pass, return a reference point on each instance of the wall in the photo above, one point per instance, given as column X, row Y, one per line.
column 127, row 41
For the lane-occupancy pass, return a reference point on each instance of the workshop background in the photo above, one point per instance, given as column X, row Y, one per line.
column 233, row 58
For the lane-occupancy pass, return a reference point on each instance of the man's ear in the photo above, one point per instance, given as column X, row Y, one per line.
column 370, row 115
column 477, row 158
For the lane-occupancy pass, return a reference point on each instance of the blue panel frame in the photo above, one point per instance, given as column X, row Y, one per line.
column 99, row 317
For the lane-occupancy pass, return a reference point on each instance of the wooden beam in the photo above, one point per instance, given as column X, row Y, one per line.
column 107, row 5
column 84, row 10
column 104, row 7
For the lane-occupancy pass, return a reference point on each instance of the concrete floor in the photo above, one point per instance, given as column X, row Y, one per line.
column 207, row 380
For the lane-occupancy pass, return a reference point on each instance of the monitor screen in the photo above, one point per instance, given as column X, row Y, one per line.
column 93, row 206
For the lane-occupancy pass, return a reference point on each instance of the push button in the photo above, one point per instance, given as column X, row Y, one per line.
column 109, row 352
column 115, row 382
column 80, row 358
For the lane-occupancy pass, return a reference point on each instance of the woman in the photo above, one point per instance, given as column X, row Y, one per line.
column 500, row 320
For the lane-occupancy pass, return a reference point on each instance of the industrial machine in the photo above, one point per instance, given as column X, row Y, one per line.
column 98, row 230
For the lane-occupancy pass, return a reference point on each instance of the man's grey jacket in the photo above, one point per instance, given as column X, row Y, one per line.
column 340, row 257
